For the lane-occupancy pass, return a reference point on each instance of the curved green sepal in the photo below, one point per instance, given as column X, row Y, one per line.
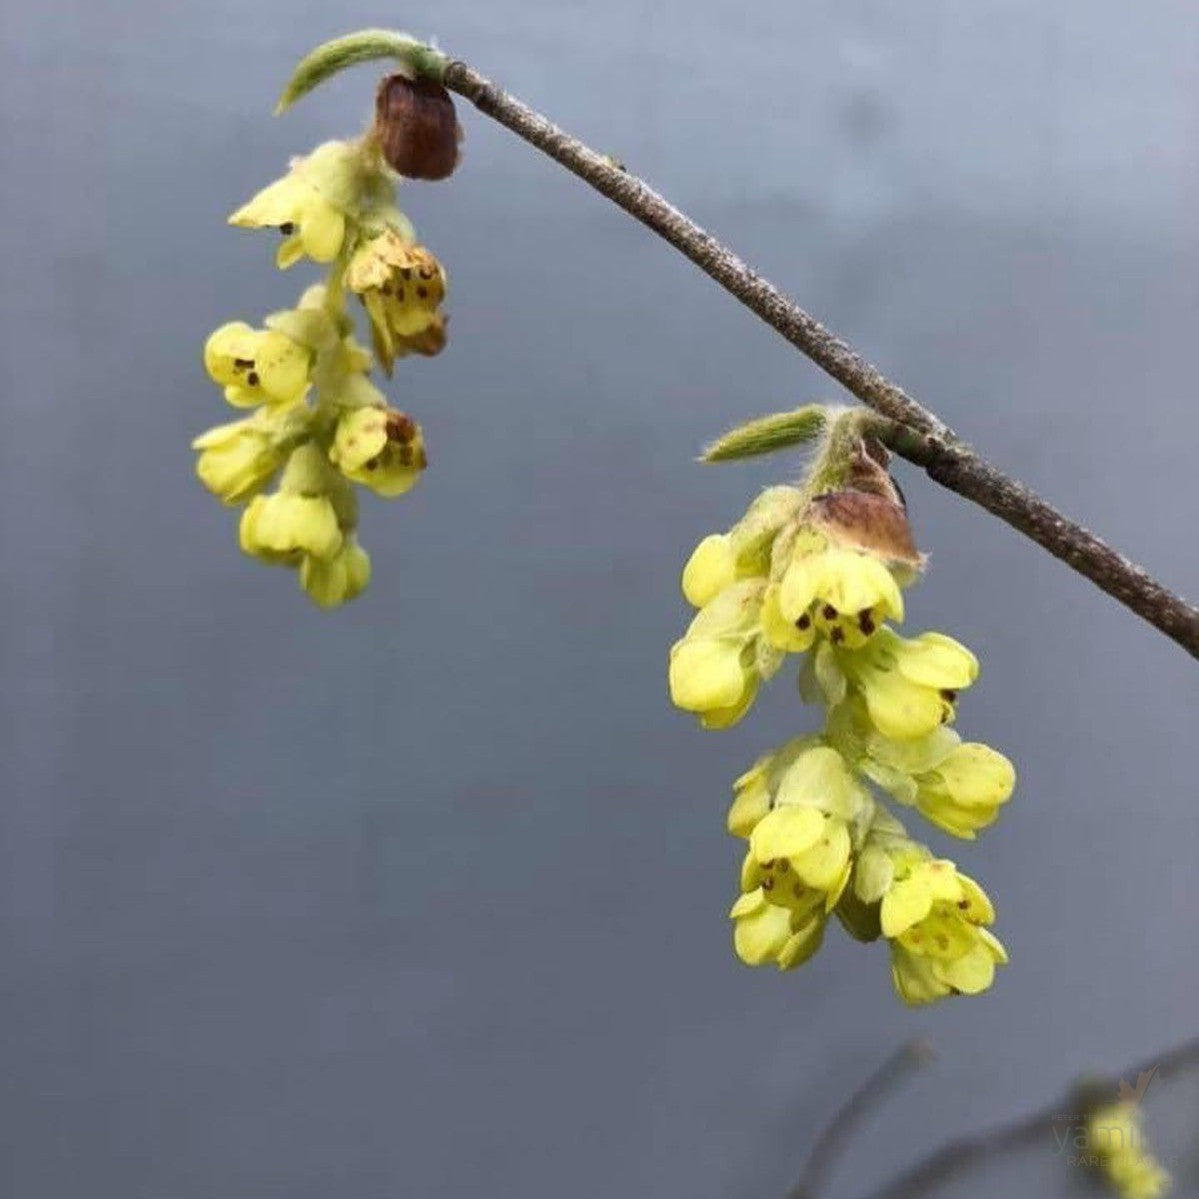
column 766, row 434
column 421, row 59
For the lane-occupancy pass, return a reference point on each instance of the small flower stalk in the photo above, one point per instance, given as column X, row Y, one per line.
column 819, row 570
column 315, row 427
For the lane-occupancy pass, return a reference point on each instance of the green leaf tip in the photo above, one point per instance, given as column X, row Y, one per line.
column 765, row 434
column 417, row 58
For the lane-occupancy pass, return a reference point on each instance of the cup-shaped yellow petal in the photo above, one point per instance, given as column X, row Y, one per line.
column 284, row 526
column 237, row 460
column 310, row 204
column 901, row 710
column 824, row 865
column 751, row 798
column 854, row 582
column 963, row 792
column 909, row 687
column 906, row 903
column 725, row 718
column 793, row 636
column 803, row 943
column 801, row 585
column 257, row 366
column 402, row 286
column 760, row 929
column 821, row 778
column 711, row 568
column 787, row 832
column 707, row 674
column 380, row 448
column 330, row 582
column 715, row 668
column 915, row 979
column 934, row 660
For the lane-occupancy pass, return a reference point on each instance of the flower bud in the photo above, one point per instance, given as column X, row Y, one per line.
column 416, row 127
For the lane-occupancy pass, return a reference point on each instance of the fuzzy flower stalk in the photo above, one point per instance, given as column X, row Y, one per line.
column 317, row 428
column 818, row 570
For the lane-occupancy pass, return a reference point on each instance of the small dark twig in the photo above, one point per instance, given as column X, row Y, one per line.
column 968, row 1152
column 835, row 1137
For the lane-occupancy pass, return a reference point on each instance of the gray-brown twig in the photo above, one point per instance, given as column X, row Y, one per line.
column 917, row 433
column 836, row 1135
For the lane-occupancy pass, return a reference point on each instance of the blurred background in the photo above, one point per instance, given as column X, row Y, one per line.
column 427, row 896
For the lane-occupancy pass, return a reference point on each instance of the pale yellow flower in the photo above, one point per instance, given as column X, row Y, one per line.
column 764, row 932
column 800, row 809
column 716, row 668
column 910, row 685
column 310, row 204
column 721, row 559
column 958, row 786
column 333, row 581
column 402, row 286
column 257, row 366
column 934, row 918
column 1116, row 1138
column 800, row 848
column 380, row 448
column 844, row 593
column 238, row 459
column 283, row 527
column 308, row 515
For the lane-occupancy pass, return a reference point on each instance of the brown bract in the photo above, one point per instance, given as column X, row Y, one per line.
column 417, row 128
column 865, row 521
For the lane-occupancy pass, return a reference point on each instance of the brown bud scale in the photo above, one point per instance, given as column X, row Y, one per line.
column 417, row 128
column 868, row 522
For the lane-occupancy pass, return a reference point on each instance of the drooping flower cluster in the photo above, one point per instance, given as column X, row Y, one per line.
column 820, row 573
column 1115, row 1144
column 319, row 427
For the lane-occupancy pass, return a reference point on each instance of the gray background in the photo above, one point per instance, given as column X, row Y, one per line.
column 427, row 896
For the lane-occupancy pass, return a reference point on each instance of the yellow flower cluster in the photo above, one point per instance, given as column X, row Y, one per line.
column 318, row 424
column 1115, row 1141
column 821, row 575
